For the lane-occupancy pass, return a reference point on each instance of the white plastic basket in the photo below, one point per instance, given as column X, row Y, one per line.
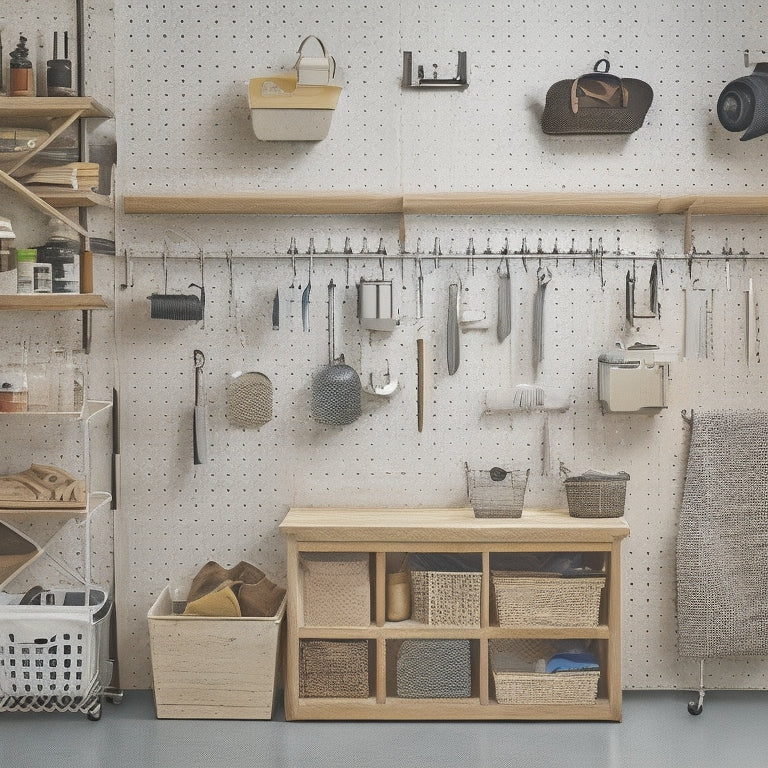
column 52, row 648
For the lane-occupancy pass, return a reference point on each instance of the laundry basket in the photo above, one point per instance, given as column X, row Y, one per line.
column 54, row 647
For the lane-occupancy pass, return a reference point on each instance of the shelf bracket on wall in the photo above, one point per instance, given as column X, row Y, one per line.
column 460, row 82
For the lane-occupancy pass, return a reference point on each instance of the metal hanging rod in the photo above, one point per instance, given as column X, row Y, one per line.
column 429, row 255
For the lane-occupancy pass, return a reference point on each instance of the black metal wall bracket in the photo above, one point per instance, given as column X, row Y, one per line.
column 460, row 82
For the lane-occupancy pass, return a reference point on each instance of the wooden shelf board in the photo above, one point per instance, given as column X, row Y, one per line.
column 51, row 302
column 48, row 107
column 446, row 709
column 60, row 197
column 478, row 203
column 44, row 512
column 446, row 203
column 398, row 630
column 303, row 204
column 416, row 525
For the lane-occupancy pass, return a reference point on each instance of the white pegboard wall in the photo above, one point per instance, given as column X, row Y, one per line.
column 253, row 476
column 183, row 127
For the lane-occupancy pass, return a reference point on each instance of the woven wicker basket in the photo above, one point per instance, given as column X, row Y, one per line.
column 512, row 662
column 595, row 495
column 333, row 669
column 497, row 492
column 336, row 589
column 434, row 669
column 541, row 688
column 546, row 599
column 442, row 598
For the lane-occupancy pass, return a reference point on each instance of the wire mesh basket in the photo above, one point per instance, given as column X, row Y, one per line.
column 497, row 492
column 595, row 494
column 52, row 648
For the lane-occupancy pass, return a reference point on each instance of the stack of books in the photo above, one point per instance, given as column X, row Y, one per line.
column 82, row 176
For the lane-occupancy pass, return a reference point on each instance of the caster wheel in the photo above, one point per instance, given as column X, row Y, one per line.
column 95, row 716
column 694, row 708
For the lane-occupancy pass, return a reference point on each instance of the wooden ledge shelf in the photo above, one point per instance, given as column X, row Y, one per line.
column 71, row 198
column 41, row 109
column 279, row 203
column 446, row 204
column 51, row 302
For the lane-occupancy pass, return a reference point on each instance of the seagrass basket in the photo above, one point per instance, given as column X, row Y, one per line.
column 546, row 599
column 333, row 669
column 516, row 682
column 336, row 589
column 596, row 495
column 442, row 598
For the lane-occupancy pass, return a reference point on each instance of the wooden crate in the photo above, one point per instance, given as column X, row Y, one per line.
column 213, row 668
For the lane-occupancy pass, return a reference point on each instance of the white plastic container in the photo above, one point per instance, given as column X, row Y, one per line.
column 282, row 110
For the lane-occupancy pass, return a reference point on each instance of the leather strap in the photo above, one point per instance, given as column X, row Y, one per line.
column 597, row 88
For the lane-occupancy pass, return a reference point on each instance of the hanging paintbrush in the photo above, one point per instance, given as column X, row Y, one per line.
column 504, row 317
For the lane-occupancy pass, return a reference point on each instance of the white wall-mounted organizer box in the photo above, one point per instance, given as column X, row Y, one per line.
column 634, row 380
column 213, row 668
column 296, row 106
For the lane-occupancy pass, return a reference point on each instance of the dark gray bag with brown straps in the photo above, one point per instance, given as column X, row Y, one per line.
column 596, row 103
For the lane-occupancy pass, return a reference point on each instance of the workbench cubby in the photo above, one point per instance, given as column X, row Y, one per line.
column 451, row 661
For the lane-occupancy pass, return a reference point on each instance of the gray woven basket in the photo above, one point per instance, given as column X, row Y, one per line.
column 434, row 669
column 596, row 495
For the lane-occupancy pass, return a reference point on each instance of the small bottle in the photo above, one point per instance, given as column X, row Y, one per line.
column 62, row 252
column 25, row 270
column 20, row 74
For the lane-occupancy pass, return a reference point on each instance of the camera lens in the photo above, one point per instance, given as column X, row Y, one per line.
column 736, row 106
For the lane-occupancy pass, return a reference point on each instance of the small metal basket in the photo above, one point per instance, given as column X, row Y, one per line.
column 497, row 492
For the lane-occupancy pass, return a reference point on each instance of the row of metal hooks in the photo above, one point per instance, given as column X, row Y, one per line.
column 594, row 248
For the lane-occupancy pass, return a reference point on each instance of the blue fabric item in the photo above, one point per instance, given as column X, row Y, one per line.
column 568, row 662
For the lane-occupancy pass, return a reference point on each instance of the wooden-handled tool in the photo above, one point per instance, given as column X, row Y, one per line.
column 200, row 426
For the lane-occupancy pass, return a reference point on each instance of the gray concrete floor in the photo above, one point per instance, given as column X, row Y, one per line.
column 656, row 731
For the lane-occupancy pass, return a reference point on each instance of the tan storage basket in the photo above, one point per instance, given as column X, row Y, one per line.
column 497, row 492
column 512, row 662
column 442, row 598
column 336, row 589
column 333, row 669
column 546, row 599
column 596, row 495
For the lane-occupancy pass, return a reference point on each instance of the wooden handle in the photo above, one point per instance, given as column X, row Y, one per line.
column 421, row 383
